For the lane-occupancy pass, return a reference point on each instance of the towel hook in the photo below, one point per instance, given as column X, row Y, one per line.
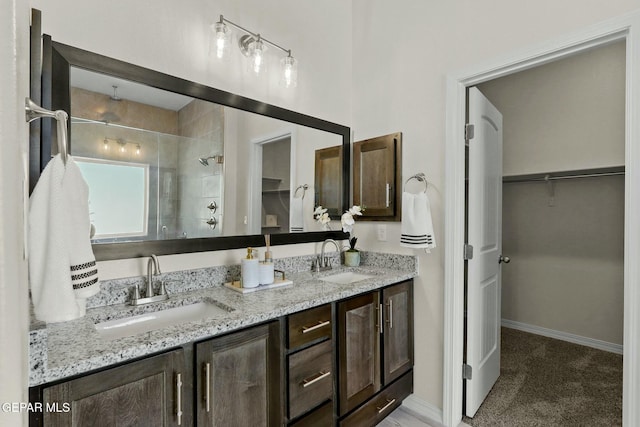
column 33, row 112
column 304, row 187
column 420, row 177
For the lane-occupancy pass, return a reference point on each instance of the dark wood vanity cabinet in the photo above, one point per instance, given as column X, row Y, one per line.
column 238, row 378
column 375, row 353
column 346, row 363
column 155, row 391
column 310, row 367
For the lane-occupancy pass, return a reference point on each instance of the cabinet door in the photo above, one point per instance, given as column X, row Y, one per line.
column 149, row 392
column 376, row 176
column 359, row 350
column 238, row 379
column 328, row 179
column 397, row 303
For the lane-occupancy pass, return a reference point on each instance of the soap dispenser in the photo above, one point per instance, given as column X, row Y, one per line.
column 249, row 270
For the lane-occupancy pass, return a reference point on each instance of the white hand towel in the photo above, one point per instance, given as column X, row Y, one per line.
column 417, row 226
column 297, row 217
column 62, row 268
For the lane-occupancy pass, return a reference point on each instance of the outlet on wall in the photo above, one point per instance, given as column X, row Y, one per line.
column 382, row 232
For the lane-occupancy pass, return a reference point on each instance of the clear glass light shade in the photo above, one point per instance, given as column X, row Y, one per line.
column 289, row 71
column 220, row 42
column 257, row 58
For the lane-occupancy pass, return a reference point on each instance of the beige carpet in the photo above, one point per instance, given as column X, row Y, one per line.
column 547, row 382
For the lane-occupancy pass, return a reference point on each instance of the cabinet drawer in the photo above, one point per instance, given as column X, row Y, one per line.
column 320, row 417
column 309, row 325
column 382, row 404
column 310, row 378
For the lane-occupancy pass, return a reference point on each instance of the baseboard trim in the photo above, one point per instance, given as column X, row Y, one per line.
column 423, row 410
column 564, row 336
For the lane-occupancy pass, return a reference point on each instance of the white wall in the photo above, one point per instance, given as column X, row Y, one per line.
column 403, row 51
column 14, row 312
column 567, row 263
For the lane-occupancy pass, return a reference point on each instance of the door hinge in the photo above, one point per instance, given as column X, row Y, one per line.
column 468, row 131
column 468, row 252
column 466, row 371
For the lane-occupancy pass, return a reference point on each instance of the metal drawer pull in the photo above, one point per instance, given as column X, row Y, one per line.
column 384, row 408
column 207, row 382
column 307, row 382
column 320, row 324
column 380, row 318
column 390, row 319
column 179, row 398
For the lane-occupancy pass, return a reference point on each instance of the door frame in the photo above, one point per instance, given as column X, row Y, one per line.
column 255, row 190
column 626, row 27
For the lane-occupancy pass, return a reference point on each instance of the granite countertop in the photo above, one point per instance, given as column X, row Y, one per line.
column 60, row 350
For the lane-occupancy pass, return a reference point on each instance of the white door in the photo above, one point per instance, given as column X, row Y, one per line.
column 485, row 235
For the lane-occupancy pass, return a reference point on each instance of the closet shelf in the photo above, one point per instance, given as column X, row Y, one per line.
column 552, row 176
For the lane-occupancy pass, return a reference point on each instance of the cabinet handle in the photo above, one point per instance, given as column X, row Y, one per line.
column 306, row 329
column 390, row 319
column 380, row 327
column 179, row 398
column 207, row 385
column 320, row 375
column 384, row 408
column 387, row 189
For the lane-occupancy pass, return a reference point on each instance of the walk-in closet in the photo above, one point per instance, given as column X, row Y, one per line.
column 563, row 231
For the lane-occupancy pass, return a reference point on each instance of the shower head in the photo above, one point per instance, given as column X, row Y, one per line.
column 204, row 161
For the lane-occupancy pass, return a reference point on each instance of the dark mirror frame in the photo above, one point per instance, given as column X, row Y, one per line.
column 57, row 60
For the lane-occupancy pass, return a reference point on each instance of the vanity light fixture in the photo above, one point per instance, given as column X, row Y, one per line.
column 253, row 46
column 122, row 144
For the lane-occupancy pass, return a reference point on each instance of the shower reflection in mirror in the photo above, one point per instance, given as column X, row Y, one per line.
column 141, row 151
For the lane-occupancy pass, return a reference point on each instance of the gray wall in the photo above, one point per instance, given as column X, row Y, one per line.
column 567, row 265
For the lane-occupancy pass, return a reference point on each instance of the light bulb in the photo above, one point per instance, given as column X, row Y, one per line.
column 138, row 150
column 289, row 71
column 105, row 145
column 221, row 39
column 257, row 57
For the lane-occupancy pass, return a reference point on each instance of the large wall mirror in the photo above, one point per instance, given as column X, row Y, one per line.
column 174, row 166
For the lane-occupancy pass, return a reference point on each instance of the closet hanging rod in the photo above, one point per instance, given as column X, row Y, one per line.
column 593, row 173
column 33, row 112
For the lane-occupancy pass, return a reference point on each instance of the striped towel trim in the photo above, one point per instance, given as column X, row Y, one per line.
column 416, row 240
column 84, row 275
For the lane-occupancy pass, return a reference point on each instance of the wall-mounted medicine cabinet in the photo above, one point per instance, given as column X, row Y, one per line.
column 377, row 169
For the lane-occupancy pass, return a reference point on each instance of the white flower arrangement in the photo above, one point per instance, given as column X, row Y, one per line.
column 321, row 215
column 348, row 221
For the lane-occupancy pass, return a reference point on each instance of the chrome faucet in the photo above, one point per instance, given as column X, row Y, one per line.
column 153, row 268
column 322, row 262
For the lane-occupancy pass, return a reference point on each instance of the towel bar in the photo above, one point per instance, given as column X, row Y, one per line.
column 33, row 112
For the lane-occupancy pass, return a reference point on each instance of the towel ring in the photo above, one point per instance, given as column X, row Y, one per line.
column 418, row 177
column 304, row 187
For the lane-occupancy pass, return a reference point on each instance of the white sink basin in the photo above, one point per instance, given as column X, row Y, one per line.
column 346, row 277
column 134, row 325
